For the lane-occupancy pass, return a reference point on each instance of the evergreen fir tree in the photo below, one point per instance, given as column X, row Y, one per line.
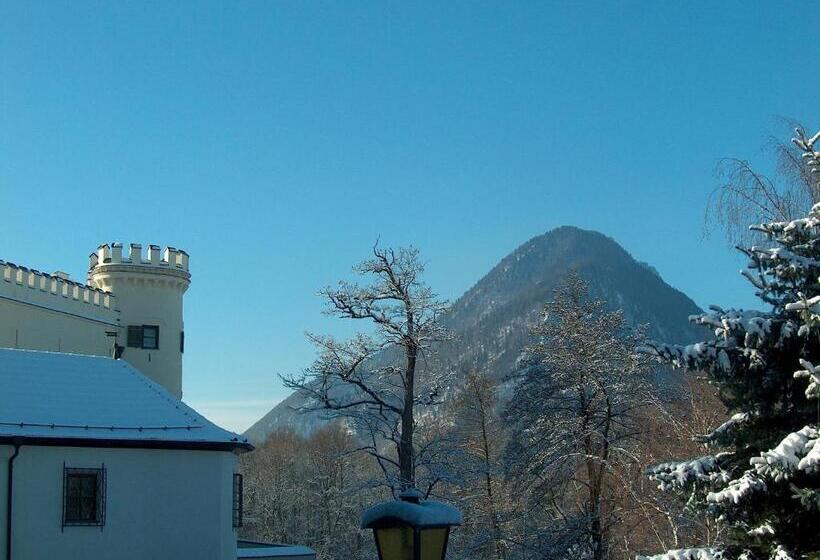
column 762, row 485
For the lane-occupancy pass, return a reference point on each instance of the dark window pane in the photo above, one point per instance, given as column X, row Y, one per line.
column 84, row 495
column 134, row 336
column 150, row 337
column 237, row 500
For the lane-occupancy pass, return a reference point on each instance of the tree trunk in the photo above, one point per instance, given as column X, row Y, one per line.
column 488, row 480
column 406, row 450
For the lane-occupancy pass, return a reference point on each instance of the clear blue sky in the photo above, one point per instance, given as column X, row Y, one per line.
column 276, row 141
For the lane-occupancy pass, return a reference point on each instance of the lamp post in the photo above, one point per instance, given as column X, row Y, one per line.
column 411, row 528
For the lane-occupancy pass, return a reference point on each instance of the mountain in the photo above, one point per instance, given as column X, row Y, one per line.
column 490, row 321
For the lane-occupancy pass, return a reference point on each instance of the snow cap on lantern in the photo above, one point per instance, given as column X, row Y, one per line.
column 411, row 528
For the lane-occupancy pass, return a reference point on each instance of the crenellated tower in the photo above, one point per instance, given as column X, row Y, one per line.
column 149, row 293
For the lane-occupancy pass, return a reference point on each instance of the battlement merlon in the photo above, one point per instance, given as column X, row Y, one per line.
column 44, row 288
column 171, row 260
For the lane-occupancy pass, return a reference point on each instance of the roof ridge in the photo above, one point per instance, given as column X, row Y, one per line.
column 162, row 391
column 178, row 404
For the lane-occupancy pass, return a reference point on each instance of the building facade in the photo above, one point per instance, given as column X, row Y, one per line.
column 99, row 461
column 130, row 307
column 99, row 457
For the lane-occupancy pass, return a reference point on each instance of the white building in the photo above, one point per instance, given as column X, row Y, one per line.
column 131, row 303
column 99, row 457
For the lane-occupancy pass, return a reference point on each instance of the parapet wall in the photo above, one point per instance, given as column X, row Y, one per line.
column 170, row 258
column 55, row 292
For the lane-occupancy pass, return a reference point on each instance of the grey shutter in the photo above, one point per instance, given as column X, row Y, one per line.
column 134, row 336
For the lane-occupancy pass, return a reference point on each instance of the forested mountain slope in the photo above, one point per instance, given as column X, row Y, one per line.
column 490, row 321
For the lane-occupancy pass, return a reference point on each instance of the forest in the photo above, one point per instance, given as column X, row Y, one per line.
column 601, row 442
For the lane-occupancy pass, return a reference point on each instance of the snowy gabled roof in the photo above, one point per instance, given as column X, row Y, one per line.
column 50, row 396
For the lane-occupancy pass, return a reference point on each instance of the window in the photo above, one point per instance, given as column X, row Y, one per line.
column 143, row 336
column 83, row 497
column 150, row 337
column 134, row 336
column 181, row 342
column 237, row 500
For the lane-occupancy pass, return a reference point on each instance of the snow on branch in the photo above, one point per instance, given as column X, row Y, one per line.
column 799, row 451
column 722, row 434
column 737, row 489
column 812, row 373
column 811, row 156
column 687, row 554
column 682, row 474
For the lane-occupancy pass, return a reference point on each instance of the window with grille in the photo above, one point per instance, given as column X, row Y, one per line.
column 237, row 500
column 143, row 336
column 83, row 497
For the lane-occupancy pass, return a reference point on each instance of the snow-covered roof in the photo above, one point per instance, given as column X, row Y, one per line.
column 54, row 396
column 425, row 513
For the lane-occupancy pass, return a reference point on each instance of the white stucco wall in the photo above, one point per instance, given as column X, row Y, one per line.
column 42, row 313
column 149, row 292
column 150, row 296
column 160, row 504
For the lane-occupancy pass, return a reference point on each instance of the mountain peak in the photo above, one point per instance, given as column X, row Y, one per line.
column 491, row 320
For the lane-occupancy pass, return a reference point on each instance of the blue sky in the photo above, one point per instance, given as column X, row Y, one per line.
column 276, row 141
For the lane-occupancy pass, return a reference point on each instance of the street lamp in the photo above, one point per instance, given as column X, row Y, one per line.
column 411, row 528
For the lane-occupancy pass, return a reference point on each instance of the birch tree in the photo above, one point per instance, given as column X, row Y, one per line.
column 746, row 195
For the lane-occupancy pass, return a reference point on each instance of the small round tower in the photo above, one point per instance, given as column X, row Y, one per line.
column 148, row 294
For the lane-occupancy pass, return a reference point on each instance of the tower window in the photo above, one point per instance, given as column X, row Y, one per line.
column 143, row 336
column 83, row 497
column 237, row 500
column 134, row 336
column 150, row 337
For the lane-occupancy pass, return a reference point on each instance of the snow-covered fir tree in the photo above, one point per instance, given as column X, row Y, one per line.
column 762, row 484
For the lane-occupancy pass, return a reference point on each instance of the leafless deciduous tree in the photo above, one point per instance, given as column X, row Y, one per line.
column 669, row 425
column 309, row 491
column 747, row 196
column 574, row 415
column 373, row 380
column 481, row 490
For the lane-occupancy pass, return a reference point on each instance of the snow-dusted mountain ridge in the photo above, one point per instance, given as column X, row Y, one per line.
column 490, row 321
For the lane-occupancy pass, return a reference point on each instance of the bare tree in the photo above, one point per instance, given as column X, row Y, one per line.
column 481, row 491
column 747, row 196
column 372, row 380
column 574, row 416
column 668, row 426
column 309, row 491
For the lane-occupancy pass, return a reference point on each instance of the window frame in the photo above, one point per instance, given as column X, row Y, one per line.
column 155, row 328
column 237, row 510
column 135, row 336
column 99, row 474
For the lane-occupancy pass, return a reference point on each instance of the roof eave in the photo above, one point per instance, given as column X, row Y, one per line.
column 113, row 443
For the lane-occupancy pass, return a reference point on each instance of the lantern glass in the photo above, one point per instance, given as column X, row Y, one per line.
column 434, row 543
column 395, row 543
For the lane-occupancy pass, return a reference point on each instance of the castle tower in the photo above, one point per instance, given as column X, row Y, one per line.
column 149, row 298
